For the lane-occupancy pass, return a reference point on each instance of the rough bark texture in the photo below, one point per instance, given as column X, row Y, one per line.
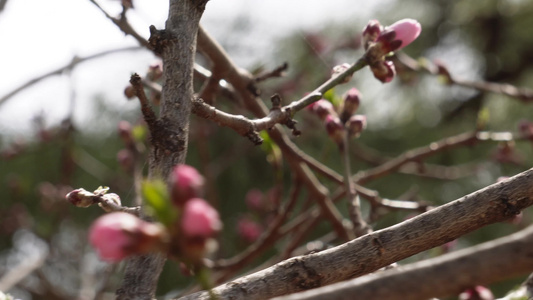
column 177, row 46
column 371, row 252
column 442, row 276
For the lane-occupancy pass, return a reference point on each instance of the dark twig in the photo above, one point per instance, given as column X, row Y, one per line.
column 523, row 94
column 277, row 72
column 419, row 154
column 123, row 24
column 148, row 113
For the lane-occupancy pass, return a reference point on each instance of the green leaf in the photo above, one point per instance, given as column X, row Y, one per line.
column 332, row 97
column 139, row 133
column 155, row 193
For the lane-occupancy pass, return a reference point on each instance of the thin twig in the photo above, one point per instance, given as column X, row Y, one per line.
column 75, row 61
column 360, row 227
column 523, row 94
column 123, row 25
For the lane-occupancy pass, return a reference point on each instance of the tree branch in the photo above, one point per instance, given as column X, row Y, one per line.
column 512, row 256
column 177, row 46
column 373, row 251
column 74, row 62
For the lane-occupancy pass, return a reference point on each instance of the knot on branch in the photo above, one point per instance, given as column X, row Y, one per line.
column 254, row 137
column 159, row 40
column 291, row 123
column 303, row 276
column 165, row 139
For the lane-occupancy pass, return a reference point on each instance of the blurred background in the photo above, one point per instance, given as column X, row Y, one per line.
column 61, row 133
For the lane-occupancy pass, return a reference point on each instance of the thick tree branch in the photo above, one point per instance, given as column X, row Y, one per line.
column 511, row 256
column 177, row 46
column 373, row 251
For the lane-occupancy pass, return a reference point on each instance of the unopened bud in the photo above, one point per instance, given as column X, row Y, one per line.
column 335, row 129
column 322, row 108
column 125, row 132
column 125, row 159
column 199, row 219
column 81, row 198
column 118, row 235
column 356, row 124
column 371, row 32
column 255, row 200
column 392, row 38
column 187, row 183
column 384, row 71
column 249, row 230
column 155, row 71
column 350, row 104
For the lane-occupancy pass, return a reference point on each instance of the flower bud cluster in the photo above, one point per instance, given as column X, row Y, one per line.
column 118, row 234
column 379, row 42
column 342, row 120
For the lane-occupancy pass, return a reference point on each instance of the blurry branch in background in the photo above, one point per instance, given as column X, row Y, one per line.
column 417, row 280
column 26, row 267
column 123, row 24
column 419, row 154
column 366, row 254
column 73, row 63
column 437, row 68
column 2, row 5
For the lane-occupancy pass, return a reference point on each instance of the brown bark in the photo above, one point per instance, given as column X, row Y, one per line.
column 373, row 251
column 442, row 276
column 177, row 46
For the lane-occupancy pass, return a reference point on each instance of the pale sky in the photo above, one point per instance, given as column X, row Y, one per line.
column 39, row 36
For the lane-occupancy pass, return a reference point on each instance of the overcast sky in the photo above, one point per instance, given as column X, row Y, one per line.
column 39, row 36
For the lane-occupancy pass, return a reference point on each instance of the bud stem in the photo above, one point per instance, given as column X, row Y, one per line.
column 360, row 227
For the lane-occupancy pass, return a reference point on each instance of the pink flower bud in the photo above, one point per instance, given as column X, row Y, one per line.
column 398, row 35
column 81, row 198
column 350, row 104
column 187, row 183
column 392, row 38
column 118, row 235
column 384, row 71
column 477, row 293
column 249, row 230
column 255, row 200
column 125, row 159
column 356, row 124
column 125, row 132
column 335, row 129
column 322, row 108
column 371, row 32
column 407, row 30
column 337, row 70
column 199, row 219
column 155, row 71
